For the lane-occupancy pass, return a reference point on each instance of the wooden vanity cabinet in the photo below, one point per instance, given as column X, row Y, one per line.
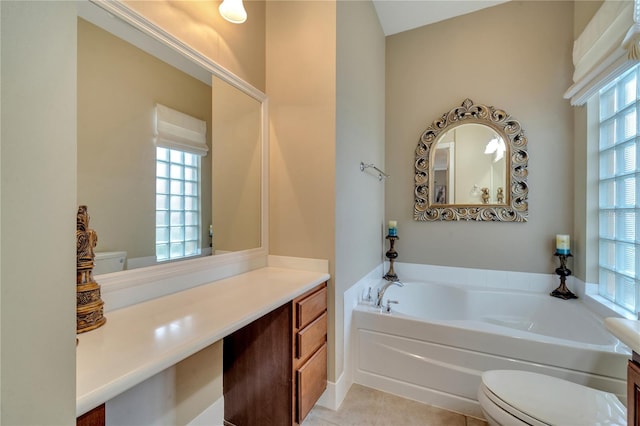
column 275, row 368
column 633, row 390
column 95, row 417
column 309, row 327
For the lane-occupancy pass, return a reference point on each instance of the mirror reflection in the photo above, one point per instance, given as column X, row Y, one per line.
column 469, row 166
column 236, row 169
column 153, row 203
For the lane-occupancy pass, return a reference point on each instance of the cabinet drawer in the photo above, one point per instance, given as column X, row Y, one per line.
column 311, row 337
column 312, row 381
column 310, row 307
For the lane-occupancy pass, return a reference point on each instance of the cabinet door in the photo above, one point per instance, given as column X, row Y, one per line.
column 312, row 381
column 633, row 391
column 257, row 376
column 95, row 417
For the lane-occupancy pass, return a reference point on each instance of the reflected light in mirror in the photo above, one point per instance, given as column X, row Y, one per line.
column 233, row 11
column 497, row 146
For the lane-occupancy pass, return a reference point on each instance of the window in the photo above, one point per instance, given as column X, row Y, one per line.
column 177, row 204
column 619, row 191
column 180, row 143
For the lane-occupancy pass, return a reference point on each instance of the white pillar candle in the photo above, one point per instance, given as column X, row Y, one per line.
column 393, row 228
column 563, row 244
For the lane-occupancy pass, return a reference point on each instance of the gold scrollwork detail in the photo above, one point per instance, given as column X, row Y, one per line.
column 514, row 209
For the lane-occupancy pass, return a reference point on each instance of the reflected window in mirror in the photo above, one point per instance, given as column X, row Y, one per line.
column 471, row 164
column 181, row 141
column 178, row 221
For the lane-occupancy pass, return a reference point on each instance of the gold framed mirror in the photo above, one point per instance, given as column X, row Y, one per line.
column 471, row 164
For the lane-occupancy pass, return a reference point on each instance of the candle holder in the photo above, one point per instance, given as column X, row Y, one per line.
column 391, row 255
column 562, row 291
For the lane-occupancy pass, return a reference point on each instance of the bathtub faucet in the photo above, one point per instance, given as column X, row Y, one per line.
column 383, row 289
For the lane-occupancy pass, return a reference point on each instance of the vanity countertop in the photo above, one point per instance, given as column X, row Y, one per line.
column 626, row 330
column 142, row 340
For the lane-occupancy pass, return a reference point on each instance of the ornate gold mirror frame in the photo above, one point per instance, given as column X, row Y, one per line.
column 516, row 206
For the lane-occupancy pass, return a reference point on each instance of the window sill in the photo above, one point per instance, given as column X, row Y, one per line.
column 602, row 306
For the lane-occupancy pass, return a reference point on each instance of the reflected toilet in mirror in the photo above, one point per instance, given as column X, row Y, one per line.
column 107, row 262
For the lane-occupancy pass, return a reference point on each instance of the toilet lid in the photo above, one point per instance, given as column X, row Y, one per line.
column 555, row 401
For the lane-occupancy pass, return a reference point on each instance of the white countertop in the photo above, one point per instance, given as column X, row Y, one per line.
column 626, row 330
column 140, row 341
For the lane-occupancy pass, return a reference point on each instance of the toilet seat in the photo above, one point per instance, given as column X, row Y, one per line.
column 537, row 399
column 497, row 412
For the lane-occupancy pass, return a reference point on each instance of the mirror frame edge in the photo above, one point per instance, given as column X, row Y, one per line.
column 244, row 259
column 509, row 129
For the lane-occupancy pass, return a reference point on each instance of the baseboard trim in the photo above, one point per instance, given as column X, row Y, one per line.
column 335, row 393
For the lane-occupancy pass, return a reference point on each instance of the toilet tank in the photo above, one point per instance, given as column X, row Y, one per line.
column 109, row 261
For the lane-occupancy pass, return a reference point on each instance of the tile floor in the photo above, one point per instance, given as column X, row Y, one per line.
column 370, row 407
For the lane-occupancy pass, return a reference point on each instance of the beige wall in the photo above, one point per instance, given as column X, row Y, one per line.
column 194, row 387
column 116, row 150
column 327, row 115
column 301, row 84
column 237, row 168
column 583, row 11
column 38, row 197
column 238, row 48
column 515, row 56
column 359, row 137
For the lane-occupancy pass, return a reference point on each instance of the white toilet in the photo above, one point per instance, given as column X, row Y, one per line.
column 512, row 397
column 109, row 261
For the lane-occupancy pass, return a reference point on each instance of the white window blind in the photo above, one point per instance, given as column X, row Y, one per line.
column 619, row 191
column 607, row 47
column 179, row 131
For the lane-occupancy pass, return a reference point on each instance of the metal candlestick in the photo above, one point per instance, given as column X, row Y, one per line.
column 562, row 291
column 391, row 255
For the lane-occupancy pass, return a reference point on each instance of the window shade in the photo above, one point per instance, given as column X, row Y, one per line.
column 607, row 47
column 176, row 130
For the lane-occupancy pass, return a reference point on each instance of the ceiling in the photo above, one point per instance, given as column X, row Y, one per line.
column 401, row 15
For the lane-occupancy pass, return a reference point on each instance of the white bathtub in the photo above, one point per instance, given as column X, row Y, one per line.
column 439, row 338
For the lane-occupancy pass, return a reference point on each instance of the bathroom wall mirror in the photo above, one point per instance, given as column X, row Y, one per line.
column 471, row 164
column 123, row 71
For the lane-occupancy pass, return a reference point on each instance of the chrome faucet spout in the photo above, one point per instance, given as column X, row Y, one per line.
column 384, row 288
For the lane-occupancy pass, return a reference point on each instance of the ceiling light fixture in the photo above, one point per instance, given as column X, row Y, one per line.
column 233, row 11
